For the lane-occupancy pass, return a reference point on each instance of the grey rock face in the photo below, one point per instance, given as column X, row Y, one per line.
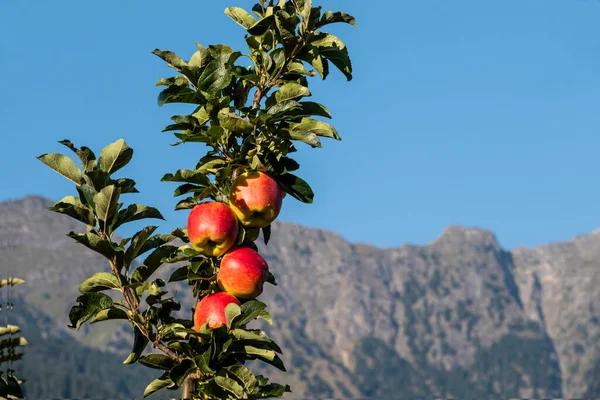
column 460, row 317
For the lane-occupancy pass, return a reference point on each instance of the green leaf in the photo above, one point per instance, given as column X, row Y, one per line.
column 181, row 371
column 331, row 17
column 175, row 80
column 179, row 94
column 152, row 262
column 260, row 27
column 94, row 242
column 139, row 344
column 298, row 68
column 291, row 91
column 183, row 253
column 138, row 241
column 107, row 204
column 86, row 195
column 203, row 361
column 230, row 386
column 186, row 204
column 266, row 355
column 308, row 138
column 135, row 212
column 240, row 16
column 200, row 59
column 310, row 108
column 126, row 185
column 266, row 234
column 74, row 208
column 100, row 281
column 234, row 122
column 232, row 311
column 87, row 156
column 157, row 361
column 98, row 179
column 115, row 156
column 215, row 77
column 211, row 166
column 157, row 384
column 243, row 376
column 248, row 311
column 286, row 29
column 311, row 55
column 156, row 241
column 171, row 58
column 181, row 234
column 271, row 279
column 334, row 50
column 184, row 175
column 109, row 314
column 180, row 274
column 274, row 390
column 296, row 187
column 89, row 305
column 242, row 334
column 282, row 110
column 312, row 126
column 63, row 165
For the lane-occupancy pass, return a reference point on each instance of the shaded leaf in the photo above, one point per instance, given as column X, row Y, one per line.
column 137, row 242
column 260, row 27
column 139, row 344
column 181, row 371
column 89, row 305
column 180, row 274
column 311, row 55
column 184, row 175
column 126, row 185
column 331, row 17
column 86, row 155
column 157, row 361
column 94, row 242
column 203, row 361
column 135, row 212
column 74, row 208
column 157, row 384
column 334, row 50
column 296, row 187
column 109, row 314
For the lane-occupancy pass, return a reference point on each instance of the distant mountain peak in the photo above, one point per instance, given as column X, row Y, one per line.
column 456, row 235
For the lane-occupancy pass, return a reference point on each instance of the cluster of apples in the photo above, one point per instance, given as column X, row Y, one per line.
column 213, row 227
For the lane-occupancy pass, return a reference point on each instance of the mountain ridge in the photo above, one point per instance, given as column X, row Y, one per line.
column 460, row 316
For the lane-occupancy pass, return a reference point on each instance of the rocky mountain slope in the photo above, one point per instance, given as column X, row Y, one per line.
column 460, row 317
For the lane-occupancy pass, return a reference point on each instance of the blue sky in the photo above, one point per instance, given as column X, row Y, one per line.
column 479, row 113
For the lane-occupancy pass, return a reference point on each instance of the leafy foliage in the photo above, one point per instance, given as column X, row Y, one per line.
column 251, row 118
column 10, row 342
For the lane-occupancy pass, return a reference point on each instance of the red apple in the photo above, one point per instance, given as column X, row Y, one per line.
column 212, row 308
column 242, row 273
column 212, row 228
column 256, row 199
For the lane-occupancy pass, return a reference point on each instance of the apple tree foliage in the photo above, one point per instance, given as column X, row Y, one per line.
column 250, row 111
column 10, row 343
